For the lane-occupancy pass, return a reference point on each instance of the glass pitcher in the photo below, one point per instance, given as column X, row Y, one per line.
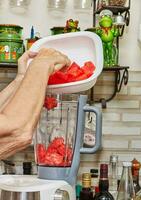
column 56, row 132
column 60, row 133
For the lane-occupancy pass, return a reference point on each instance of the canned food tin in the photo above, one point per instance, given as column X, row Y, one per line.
column 10, row 50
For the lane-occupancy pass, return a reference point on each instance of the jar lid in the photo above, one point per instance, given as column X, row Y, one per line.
column 11, row 26
column 94, row 171
column 113, row 158
column 11, row 40
column 127, row 164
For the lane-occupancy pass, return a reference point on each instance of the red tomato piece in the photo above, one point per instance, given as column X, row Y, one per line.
column 88, row 68
column 90, row 65
column 51, row 149
column 58, row 141
column 75, row 70
column 41, row 153
column 50, row 103
column 82, row 77
column 73, row 67
column 61, row 150
column 58, row 77
column 53, row 159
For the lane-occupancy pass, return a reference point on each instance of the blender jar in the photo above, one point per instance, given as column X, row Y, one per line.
column 55, row 138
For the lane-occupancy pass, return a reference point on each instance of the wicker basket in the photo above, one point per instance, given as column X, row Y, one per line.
column 117, row 2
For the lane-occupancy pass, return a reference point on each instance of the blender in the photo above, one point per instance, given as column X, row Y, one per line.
column 57, row 145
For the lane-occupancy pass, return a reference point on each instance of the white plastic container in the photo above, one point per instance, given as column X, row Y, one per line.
column 79, row 47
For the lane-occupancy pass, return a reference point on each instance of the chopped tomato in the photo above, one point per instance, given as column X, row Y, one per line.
column 50, row 103
column 53, row 159
column 41, row 153
column 88, row 68
column 82, row 77
column 73, row 73
column 57, row 153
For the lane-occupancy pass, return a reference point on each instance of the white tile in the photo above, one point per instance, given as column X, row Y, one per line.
column 123, row 104
column 103, row 90
column 135, row 90
column 106, row 77
column 111, row 116
column 118, row 144
column 136, row 144
column 122, row 130
column 135, row 76
column 131, row 117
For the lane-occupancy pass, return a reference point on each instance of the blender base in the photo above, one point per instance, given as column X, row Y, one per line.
column 28, row 187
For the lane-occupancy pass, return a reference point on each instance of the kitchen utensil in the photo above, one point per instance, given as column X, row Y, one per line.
column 59, row 138
column 119, row 20
column 79, row 47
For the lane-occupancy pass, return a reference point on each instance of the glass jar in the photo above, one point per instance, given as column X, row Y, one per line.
column 58, row 4
column 102, row 3
column 82, row 4
column 19, row 6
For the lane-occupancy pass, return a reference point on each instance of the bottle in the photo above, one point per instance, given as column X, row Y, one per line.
column 94, row 179
column 103, row 193
column 78, row 189
column 126, row 188
column 135, row 174
column 86, row 192
column 113, row 167
column 138, row 195
column 27, row 168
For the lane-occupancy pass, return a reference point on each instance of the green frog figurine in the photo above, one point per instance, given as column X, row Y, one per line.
column 71, row 26
column 108, row 32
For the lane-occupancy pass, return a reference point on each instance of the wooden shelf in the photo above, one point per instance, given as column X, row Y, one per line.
column 121, row 77
column 8, row 65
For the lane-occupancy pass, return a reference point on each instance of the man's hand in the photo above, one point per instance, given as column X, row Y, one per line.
column 52, row 59
column 22, row 62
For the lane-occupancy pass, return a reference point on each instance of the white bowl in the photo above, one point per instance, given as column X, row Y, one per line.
column 80, row 47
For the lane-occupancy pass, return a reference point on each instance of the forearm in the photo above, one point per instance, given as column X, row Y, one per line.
column 24, row 108
column 9, row 145
column 7, row 93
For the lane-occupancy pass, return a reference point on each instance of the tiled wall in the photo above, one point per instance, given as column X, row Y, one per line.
column 121, row 122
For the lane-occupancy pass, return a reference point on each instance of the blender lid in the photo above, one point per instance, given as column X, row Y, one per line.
column 80, row 47
column 28, row 183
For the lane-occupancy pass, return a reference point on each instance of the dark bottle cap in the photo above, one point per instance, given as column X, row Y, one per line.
column 104, row 171
column 94, row 171
column 27, row 166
